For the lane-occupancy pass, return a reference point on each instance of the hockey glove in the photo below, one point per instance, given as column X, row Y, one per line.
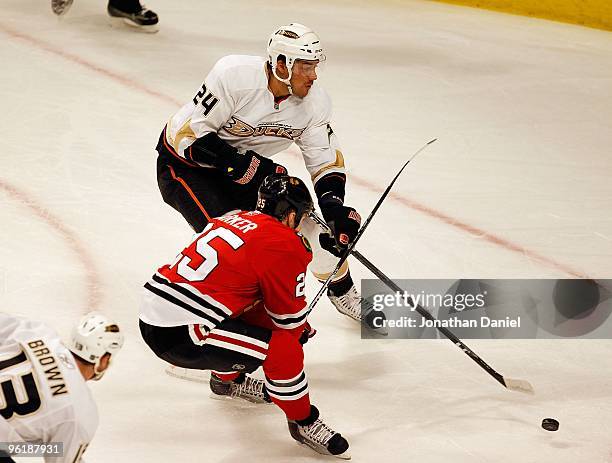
column 344, row 222
column 251, row 168
column 308, row 333
column 247, row 169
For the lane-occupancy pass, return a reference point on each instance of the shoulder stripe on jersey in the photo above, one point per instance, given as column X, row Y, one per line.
column 164, row 295
column 195, row 298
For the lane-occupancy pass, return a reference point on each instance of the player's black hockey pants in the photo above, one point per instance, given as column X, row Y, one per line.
column 233, row 346
column 199, row 193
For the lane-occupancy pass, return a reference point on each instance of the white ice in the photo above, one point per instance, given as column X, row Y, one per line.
column 518, row 185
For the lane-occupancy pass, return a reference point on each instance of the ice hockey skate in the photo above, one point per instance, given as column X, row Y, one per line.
column 317, row 435
column 61, row 7
column 244, row 387
column 134, row 14
column 350, row 304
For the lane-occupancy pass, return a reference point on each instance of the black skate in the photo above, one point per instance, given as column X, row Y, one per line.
column 243, row 387
column 61, row 7
column 134, row 14
column 314, row 433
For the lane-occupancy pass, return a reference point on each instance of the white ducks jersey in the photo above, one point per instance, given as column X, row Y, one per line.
column 43, row 396
column 234, row 101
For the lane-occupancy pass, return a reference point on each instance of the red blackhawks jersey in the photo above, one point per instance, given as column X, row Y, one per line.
column 247, row 261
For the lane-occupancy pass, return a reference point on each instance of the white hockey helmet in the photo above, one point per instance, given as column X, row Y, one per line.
column 294, row 41
column 93, row 337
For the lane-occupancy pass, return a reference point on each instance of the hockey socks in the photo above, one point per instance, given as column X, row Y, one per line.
column 285, row 380
column 341, row 287
column 235, row 376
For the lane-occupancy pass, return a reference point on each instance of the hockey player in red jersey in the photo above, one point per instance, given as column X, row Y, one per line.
column 234, row 300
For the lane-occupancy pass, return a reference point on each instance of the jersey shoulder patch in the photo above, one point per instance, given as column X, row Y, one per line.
column 305, row 242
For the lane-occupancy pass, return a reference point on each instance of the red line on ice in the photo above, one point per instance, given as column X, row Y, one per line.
column 482, row 234
column 120, row 79
column 70, row 238
column 130, row 83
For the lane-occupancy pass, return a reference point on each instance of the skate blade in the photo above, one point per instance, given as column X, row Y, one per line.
column 126, row 23
column 236, row 400
column 343, row 456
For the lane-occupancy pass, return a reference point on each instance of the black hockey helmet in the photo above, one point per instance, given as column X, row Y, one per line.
column 281, row 193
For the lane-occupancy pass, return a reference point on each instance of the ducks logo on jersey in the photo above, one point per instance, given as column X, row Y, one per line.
column 241, row 129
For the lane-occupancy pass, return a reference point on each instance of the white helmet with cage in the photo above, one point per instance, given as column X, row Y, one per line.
column 294, row 42
column 93, row 337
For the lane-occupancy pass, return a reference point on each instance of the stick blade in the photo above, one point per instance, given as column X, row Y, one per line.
column 519, row 385
column 187, row 374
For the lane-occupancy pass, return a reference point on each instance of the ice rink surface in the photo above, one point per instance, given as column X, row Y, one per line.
column 518, row 186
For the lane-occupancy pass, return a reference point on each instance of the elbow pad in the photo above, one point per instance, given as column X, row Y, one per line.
column 211, row 150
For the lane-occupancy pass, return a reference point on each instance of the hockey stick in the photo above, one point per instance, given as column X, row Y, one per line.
column 198, row 376
column 347, row 252
column 517, row 385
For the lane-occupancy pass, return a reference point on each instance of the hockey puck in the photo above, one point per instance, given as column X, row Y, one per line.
column 550, row 424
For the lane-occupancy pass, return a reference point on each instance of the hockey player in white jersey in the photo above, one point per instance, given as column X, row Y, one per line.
column 43, row 395
column 215, row 151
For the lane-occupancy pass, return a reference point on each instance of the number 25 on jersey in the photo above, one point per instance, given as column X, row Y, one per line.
column 201, row 258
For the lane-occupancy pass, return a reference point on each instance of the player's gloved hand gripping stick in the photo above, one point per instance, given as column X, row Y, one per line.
column 352, row 244
column 342, row 226
column 517, row 385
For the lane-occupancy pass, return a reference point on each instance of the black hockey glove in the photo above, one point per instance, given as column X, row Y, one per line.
column 251, row 168
column 344, row 222
column 247, row 169
column 308, row 333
